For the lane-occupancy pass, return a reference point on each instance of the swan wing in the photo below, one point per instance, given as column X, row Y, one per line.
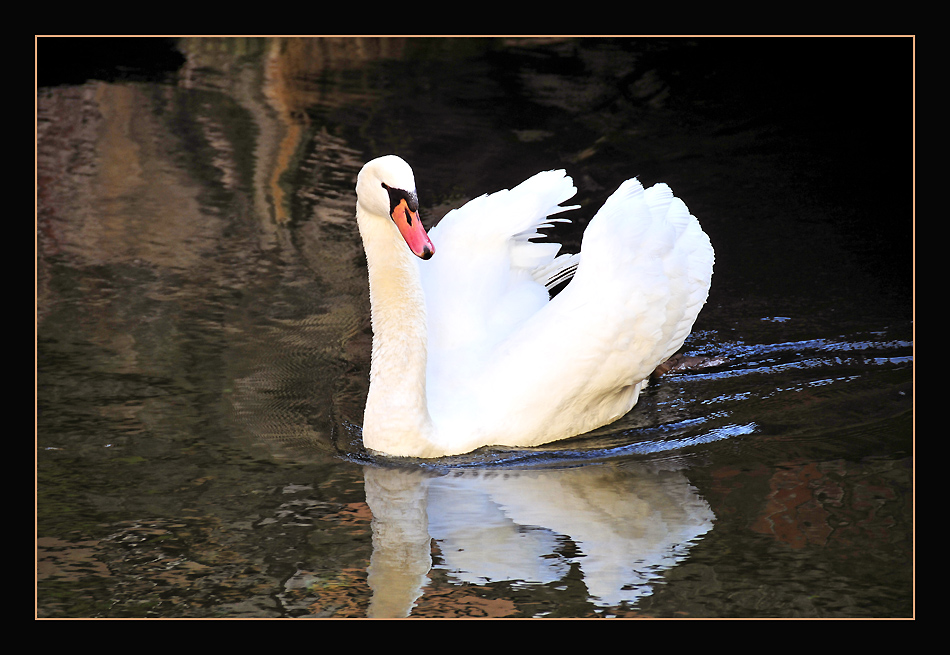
column 487, row 276
column 578, row 362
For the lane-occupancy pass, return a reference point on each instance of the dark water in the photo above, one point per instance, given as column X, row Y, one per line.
column 203, row 333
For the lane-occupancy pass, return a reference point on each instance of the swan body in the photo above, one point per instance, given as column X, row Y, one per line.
column 468, row 348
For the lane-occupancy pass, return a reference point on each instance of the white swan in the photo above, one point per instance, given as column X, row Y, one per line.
column 468, row 349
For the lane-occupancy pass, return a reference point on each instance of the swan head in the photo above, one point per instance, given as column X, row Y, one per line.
column 386, row 187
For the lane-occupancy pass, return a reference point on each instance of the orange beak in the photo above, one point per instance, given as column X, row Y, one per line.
column 411, row 229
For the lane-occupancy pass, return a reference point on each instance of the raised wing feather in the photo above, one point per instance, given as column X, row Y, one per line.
column 643, row 274
column 487, row 277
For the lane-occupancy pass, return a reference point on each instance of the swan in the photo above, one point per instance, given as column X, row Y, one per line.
column 470, row 350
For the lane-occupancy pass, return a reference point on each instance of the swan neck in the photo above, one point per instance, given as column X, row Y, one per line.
column 397, row 419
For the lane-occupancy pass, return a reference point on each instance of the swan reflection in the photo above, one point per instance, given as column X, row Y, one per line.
column 622, row 525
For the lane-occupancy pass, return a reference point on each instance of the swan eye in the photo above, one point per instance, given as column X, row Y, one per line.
column 397, row 195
